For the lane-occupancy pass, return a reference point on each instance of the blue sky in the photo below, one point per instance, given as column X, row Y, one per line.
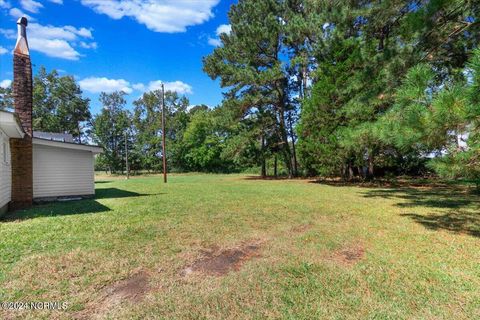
column 129, row 44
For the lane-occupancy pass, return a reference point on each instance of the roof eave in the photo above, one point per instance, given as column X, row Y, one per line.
column 10, row 125
column 68, row 145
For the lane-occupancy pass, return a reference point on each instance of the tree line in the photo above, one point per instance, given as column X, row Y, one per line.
column 194, row 134
column 351, row 89
column 356, row 89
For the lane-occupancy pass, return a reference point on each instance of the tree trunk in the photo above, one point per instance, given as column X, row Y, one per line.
column 275, row 167
column 350, row 171
column 360, row 172
column 295, row 162
column 264, row 165
column 284, row 137
column 371, row 169
column 264, row 169
column 292, row 134
column 304, row 81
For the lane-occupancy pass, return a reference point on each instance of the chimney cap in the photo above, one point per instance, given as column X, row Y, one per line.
column 23, row 21
column 22, row 45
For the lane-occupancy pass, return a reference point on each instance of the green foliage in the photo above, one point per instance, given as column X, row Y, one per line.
column 147, row 122
column 58, row 105
column 6, row 98
column 194, row 138
column 322, row 114
column 360, row 89
column 250, row 65
column 360, row 112
column 203, row 143
column 439, row 120
column 110, row 128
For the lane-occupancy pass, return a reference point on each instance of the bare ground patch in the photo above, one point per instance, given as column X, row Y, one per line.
column 302, row 228
column 350, row 255
column 130, row 290
column 217, row 262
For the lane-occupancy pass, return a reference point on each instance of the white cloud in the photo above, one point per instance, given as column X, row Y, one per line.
column 69, row 33
column 4, row 4
column 8, row 33
column 57, row 42
column 223, row 28
column 55, row 48
column 102, row 84
column 214, row 42
column 139, row 86
column 158, row 15
column 31, row 5
column 5, row 83
column 97, row 85
column 91, row 45
column 176, row 86
column 82, row 32
column 17, row 13
column 3, row 50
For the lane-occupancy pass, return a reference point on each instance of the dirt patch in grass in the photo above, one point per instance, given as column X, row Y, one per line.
column 218, row 262
column 130, row 290
column 302, row 228
column 349, row 256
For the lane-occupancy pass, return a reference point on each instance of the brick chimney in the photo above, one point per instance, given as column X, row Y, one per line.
column 21, row 149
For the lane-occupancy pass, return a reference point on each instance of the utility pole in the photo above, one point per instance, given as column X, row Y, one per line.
column 164, row 154
column 126, row 157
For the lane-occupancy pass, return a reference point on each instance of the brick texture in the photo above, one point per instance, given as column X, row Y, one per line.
column 22, row 149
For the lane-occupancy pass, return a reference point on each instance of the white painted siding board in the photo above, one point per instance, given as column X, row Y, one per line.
column 62, row 172
column 5, row 171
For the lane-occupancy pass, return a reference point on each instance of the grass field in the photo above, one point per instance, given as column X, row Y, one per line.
column 231, row 246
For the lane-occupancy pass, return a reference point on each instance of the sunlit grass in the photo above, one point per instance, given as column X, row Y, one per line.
column 419, row 250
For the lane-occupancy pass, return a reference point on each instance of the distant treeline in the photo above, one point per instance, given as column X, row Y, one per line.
column 351, row 89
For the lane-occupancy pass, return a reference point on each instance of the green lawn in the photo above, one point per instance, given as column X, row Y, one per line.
column 230, row 246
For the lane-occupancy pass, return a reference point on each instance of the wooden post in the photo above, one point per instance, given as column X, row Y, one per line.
column 275, row 166
column 126, row 157
column 164, row 154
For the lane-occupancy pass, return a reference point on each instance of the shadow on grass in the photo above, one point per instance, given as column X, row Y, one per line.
column 460, row 221
column 54, row 209
column 110, row 193
column 87, row 206
column 103, row 181
column 253, row 178
column 441, row 197
column 457, row 209
column 381, row 183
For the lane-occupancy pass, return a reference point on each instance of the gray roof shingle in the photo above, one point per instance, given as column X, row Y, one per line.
column 61, row 137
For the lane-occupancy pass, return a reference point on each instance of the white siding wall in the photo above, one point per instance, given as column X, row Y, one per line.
column 5, row 170
column 62, row 172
